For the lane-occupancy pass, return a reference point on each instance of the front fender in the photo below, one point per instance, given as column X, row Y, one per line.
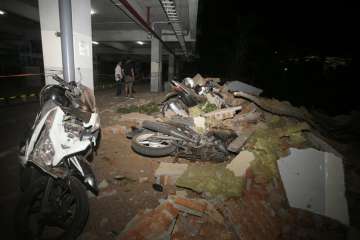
column 85, row 173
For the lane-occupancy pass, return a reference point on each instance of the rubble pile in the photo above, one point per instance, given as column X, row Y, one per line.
column 246, row 197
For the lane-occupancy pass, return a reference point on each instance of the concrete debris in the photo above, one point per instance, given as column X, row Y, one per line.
column 143, row 179
column 156, row 224
column 236, row 145
column 134, row 119
column 214, row 179
column 199, row 123
column 222, row 114
column 314, row 181
column 279, row 108
column 241, row 163
column 255, row 195
column 103, row 184
column 214, row 99
column 237, row 86
column 321, row 144
column 167, row 173
column 181, row 193
column 107, row 193
column 199, row 80
column 119, row 177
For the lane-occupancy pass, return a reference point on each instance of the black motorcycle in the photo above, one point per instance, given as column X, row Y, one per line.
column 176, row 138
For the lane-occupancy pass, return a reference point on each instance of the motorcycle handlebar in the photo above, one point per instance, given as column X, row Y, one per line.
column 71, row 87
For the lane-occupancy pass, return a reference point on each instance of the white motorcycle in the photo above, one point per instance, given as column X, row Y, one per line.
column 55, row 173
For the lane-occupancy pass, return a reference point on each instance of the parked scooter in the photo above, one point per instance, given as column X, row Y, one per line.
column 55, row 173
column 177, row 138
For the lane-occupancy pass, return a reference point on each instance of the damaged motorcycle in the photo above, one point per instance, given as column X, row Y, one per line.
column 187, row 94
column 55, row 173
column 176, row 138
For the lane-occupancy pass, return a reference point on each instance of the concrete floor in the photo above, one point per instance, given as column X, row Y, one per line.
column 14, row 121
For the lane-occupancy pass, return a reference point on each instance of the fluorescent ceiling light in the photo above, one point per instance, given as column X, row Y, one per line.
column 2, row 12
column 92, row 12
column 95, row 43
column 140, row 42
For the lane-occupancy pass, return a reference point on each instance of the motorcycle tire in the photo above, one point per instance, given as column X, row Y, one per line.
column 148, row 150
column 36, row 190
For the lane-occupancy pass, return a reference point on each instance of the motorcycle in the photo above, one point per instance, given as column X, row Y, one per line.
column 175, row 137
column 187, row 94
column 55, row 173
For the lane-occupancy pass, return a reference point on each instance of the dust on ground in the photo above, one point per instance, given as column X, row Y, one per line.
column 119, row 202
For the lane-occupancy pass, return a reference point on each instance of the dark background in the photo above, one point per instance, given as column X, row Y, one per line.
column 257, row 44
column 303, row 52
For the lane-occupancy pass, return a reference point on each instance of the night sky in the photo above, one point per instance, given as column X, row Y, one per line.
column 254, row 44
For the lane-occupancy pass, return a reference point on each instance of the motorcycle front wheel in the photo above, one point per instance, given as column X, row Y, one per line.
column 152, row 144
column 64, row 217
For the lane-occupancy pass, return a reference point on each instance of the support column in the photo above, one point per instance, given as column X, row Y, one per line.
column 51, row 43
column 156, row 65
column 171, row 67
column 83, row 52
column 82, row 40
column 66, row 32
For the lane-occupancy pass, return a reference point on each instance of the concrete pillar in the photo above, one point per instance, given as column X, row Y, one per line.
column 156, row 65
column 171, row 67
column 83, row 52
column 82, row 40
column 51, row 43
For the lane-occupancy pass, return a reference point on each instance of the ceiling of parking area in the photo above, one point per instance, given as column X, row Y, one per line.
column 113, row 25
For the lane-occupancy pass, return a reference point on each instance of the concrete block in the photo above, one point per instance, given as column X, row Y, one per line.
column 241, row 163
column 167, row 173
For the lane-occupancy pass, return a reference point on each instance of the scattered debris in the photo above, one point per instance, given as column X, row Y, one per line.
column 134, row 119
column 321, row 144
column 151, row 224
column 314, row 181
column 222, row 114
column 259, row 194
column 119, row 177
column 236, row 145
column 103, row 184
column 107, row 193
column 181, row 193
column 213, row 179
column 146, row 108
column 167, row 173
column 143, row 179
column 241, row 163
column 237, row 86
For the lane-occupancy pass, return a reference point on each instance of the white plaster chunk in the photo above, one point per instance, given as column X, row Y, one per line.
column 241, row 163
column 314, row 181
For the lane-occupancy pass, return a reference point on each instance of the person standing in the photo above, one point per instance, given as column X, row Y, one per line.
column 129, row 73
column 119, row 76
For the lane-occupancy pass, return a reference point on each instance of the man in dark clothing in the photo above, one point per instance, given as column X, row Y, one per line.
column 129, row 78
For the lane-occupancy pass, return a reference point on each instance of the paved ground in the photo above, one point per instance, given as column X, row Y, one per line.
column 121, row 199
column 119, row 202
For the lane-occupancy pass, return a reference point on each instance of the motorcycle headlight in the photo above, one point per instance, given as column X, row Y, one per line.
column 44, row 150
